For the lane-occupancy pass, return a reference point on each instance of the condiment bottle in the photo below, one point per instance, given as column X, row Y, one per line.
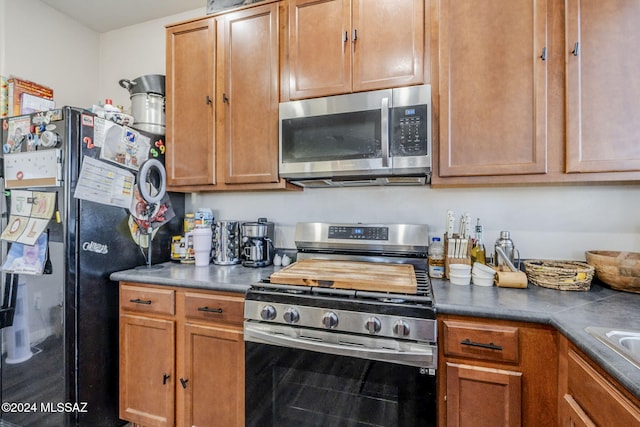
column 478, row 253
column 436, row 258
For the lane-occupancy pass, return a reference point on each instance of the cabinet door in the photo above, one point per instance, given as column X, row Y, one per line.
column 190, row 157
column 388, row 43
column 603, row 89
column 573, row 414
column 319, row 47
column 493, row 87
column 147, row 366
column 483, row 397
column 248, row 95
column 213, row 376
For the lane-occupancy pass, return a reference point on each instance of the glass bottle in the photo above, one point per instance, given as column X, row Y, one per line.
column 478, row 253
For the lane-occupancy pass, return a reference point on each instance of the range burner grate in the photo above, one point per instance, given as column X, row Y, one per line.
column 423, row 295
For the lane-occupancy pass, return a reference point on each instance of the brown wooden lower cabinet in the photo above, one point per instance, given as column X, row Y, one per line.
column 496, row 373
column 589, row 396
column 501, row 396
column 181, row 356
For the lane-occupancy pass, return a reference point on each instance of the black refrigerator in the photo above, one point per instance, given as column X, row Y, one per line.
column 60, row 340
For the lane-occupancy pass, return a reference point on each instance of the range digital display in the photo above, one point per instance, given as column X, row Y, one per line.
column 360, row 233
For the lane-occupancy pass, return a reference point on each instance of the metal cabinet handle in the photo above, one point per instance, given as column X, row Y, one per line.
column 210, row 310
column 140, row 301
column 544, row 54
column 208, row 99
column 576, row 49
column 225, row 98
column 355, row 35
column 491, row 345
column 165, row 377
column 183, row 382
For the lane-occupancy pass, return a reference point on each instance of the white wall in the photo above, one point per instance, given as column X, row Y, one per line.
column 132, row 52
column 40, row 44
column 545, row 222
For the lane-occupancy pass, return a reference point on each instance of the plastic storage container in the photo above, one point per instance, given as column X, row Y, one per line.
column 436, row 258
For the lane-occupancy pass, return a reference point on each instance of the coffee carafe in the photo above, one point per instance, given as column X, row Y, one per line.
column 226, row 242
column 257, row 243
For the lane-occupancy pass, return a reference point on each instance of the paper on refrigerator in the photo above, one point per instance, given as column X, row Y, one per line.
column 30, row 215
column 103, row 183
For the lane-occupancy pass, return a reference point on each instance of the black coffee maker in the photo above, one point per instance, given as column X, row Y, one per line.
column 257, row 243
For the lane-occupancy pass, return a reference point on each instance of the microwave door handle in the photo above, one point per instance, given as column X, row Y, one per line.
column 384, row 131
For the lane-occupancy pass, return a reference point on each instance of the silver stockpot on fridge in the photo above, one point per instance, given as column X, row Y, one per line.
column 226, row 242
column 147, row 102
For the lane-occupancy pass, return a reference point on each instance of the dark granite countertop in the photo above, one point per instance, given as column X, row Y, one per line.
column 568, row 311
column 230, row 278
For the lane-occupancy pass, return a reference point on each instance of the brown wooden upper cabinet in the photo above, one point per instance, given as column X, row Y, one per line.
column 603, row 89
column 189, row 103
column 493, row 87
column 537, row 92
column 342, row 46
column 223, row 90
column 248, row 95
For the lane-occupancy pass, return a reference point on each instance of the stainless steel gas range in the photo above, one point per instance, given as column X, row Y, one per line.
column 325, row 355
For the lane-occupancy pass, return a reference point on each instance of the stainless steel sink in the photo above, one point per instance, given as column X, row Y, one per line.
column 624, row 342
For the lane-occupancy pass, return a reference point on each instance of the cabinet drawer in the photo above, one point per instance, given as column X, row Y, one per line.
column 217, row 308
column 597, row 396
column 147, row 300
column 481, row 341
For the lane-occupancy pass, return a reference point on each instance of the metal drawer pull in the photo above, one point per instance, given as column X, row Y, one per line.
column 140, row 301
column 491, row 345
column 210, row 310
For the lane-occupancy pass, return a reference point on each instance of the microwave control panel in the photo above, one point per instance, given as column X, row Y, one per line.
column 409, row 131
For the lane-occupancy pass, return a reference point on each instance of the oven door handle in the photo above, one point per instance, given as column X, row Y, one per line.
column 424, row 357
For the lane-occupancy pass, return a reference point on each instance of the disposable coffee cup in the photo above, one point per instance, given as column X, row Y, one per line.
column 202, row 245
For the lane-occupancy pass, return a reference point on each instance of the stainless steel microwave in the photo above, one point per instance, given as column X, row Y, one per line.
column 380, row 137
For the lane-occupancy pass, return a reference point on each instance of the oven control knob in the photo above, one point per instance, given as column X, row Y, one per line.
column 373, row 325
column 291, row 315
column 268, row 312
column 330, row 320
column 401, row 328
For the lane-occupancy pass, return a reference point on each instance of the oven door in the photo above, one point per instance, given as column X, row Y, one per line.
column 287, row 384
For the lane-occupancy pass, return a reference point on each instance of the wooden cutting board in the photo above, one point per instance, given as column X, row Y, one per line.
column 369, row 276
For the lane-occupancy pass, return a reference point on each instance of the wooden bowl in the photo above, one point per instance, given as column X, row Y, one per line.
column 619, row 270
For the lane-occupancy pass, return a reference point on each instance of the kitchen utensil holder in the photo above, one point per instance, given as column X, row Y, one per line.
column 455, row 260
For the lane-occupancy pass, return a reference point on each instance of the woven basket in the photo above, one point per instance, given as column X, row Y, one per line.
column 561, row 275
